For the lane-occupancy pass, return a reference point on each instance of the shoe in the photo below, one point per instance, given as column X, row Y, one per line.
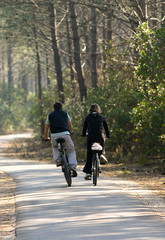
column 58, row 164
column 103, row 159
column 74, row 172
column 88, row 176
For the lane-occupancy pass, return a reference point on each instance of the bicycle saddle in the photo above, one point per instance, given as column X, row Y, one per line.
column 60, row 140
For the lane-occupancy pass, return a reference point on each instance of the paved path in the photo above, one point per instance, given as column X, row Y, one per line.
column 49, row 210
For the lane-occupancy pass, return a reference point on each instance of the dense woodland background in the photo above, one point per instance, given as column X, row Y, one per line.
column 111, row 52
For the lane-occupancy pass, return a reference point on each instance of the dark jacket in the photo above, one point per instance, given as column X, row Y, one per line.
column 95, row 124
column 58, row 120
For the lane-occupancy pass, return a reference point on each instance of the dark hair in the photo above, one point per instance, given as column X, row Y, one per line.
column 57, row 106
column 95, row 108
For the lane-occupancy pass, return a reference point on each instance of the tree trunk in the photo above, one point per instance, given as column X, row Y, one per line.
column 70, row 57
column 163, row 9
column 39, row 79
column 104, row 64
column 94, row 48
column 87, row 46
column 35, row 78
column 47, row 71
column 2, row 68
column 22, row 80
column 9, row 61
column 107, row 35
column 82, row 87
column 57, row 60
column 38, row 72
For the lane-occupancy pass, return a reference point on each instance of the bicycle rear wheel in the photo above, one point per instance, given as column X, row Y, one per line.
column 95, row 168
column 66, row 170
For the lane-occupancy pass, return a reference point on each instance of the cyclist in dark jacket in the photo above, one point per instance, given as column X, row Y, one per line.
column 95, row 124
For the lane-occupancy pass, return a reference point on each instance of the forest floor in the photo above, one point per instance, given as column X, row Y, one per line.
column 149, row 178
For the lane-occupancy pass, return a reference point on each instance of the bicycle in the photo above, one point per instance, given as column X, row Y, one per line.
column 64, row 161
column 96, row 148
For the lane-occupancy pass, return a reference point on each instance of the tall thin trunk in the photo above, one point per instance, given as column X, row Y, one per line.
column 38, row 71
column 57, row 60
column 94, row 48
column 10, row 73
column 2, row 68
column 163, row 9
column 47, row 71
column 82, row 87
column 39, row 78
column 35, row 79
column 87, row 45
column 104, row 54
column 9, row 60
column 24, row 84
column 70, row 57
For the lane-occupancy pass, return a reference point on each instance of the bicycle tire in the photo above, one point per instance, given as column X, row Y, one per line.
column 95, row 168
column 66, row 170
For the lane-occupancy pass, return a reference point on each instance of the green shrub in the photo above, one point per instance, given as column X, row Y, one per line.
column 13, row 109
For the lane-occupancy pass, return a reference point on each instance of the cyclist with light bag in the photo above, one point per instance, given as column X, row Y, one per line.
column 95, row 124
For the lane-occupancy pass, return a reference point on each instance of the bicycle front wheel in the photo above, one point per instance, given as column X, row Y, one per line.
column 95, row 168
column 66, row 170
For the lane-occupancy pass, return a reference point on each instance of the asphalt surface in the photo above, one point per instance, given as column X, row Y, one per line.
column 49, row 210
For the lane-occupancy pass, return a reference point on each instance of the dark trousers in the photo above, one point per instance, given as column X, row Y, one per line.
column 99, row 139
